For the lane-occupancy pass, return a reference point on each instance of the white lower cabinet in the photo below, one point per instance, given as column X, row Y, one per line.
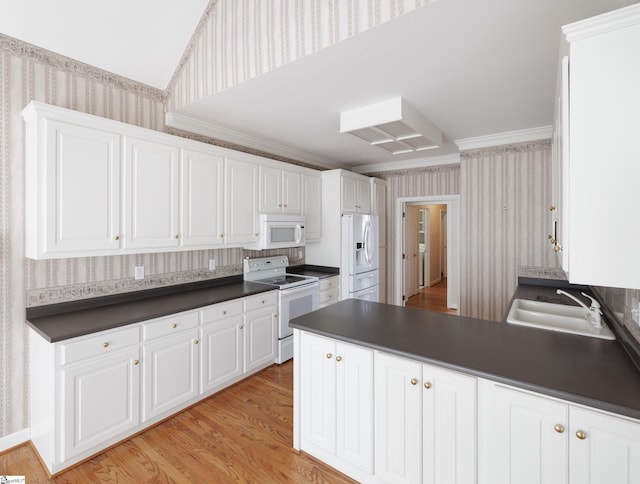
column 90, row 392
column 101, row 401
column 425, row 423
column 336, row 394
column 329, row 291
column 530, row 438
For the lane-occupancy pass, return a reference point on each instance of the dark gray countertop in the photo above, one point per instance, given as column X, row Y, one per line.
column 64, row 321
column 584, row 370
column 317, row 271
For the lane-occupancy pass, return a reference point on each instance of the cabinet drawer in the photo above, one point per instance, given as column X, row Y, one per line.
column 221, row 311
column 329, row 297
column 99, row 344
column 260, row 301
column 172, row 324
column 329, row 283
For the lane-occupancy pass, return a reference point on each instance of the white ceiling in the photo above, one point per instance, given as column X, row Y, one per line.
column 142, row 40
column 473, row 68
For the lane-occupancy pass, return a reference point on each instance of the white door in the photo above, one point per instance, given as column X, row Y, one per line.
column 348, row 193
column 354, row 405
column 522, row 437
column 260, row 338
column 241, row 210
column 363, row 196
column 170, row 373
column 412, row 251
column 82, row 189
column 607, row 450
column 270, row 190
column 398, row 419
column 202, row 199
column 222, row 357
column 102, row 401
column 312, row 209
column 448, row 426
column 317, row 393
column 291, row 192
column 151, row 207
column 443, row 242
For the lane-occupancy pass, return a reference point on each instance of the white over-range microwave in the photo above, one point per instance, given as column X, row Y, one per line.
column 279, row 231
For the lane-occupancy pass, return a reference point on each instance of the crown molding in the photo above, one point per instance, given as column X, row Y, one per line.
column 409, row 164
column 505, row 138
column 204, row 128
column 600, row 24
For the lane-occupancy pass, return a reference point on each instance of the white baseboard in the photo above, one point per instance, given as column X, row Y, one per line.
column 435, row 281
column 15, row 439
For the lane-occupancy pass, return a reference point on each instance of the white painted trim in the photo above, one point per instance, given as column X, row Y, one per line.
column 453, row 240
column 193, row 125
column 600, row 24
column 409, row 164
column 509, row 137
column 15, row 439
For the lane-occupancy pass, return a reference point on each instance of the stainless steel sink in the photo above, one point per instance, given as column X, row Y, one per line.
column 556, row 317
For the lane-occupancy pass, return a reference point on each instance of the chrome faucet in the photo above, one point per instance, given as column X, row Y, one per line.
column 595, row 314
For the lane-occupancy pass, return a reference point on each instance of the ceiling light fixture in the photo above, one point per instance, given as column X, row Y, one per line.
column 393, row 125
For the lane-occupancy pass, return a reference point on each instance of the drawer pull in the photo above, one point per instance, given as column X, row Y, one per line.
column 262, row 301
column 117, row 237
column 414, row 381
column 581, row 434
column 338, row 358
column 558, row 428
column 136, row 362
column 196, row 342
column 174, row 325
column 224, row 312
column 105, row 344
column 329, row 356
column 427, row 385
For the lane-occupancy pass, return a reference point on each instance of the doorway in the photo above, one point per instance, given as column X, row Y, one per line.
column 427, row 250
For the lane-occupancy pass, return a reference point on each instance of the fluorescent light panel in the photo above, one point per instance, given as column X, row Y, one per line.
column 392, row 125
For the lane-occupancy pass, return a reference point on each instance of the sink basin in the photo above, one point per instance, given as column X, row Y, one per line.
column 556, row 317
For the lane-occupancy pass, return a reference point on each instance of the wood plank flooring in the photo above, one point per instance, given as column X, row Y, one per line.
column 433, row 298
column 241, row 434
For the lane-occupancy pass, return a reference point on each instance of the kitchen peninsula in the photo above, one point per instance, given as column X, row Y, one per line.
column 453, row 398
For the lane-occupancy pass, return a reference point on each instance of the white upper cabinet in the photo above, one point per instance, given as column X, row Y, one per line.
column 95, row 186
column 73, row 177
column 312, row 206
column 241, row 211
column 356, row 194
column 202, row 204
column 602, row 165
column 280, row 191
column 151, row 209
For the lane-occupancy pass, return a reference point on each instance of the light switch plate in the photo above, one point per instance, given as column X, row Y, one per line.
column 212, row 264
column 635, row 310
column 139, row 272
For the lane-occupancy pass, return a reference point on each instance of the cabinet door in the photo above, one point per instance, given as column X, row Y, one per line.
column 241, row 209
column 317, row 393
column 291, row 192
column 170, row 373
column 518, row 440
column 82, row 191
column 270, row 190
column 101, row 401
column 348, row 193
column 448, row 426
column 260, row 338
column 398, row 419
column 363, row 196
column 607, row 453
column 222, row 356
column 312, row 208
column 354, row 405
column 150, row 195
column 202, row 199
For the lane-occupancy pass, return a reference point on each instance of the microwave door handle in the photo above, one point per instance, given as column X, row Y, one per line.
column 298, row 233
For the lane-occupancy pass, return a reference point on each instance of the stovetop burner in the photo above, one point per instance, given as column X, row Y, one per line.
column 272, row 271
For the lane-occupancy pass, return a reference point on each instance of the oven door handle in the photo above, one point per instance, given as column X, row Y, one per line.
column 298, row 289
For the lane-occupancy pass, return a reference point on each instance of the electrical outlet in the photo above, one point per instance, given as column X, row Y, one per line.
column 212, row 264
column 139, row 272
column 300, row 254
column 635, row 310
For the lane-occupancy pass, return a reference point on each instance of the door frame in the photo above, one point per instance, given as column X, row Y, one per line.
column 453, row 245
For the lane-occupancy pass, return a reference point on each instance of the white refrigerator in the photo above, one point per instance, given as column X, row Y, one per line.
column 359, row 276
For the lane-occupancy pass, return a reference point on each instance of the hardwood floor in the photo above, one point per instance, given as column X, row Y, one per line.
column 241, row 434
column 433, row 298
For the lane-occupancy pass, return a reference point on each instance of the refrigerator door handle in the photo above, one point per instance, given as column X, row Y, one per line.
column 367, row 253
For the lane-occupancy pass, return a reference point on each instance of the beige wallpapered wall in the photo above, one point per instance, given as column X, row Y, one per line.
column 238, row 40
